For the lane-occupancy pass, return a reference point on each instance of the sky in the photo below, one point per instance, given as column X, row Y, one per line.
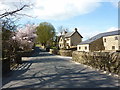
column 91, row 17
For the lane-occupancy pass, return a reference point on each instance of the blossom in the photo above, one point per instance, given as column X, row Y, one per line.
column 26, row 36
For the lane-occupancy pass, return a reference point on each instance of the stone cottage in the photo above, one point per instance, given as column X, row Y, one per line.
column 70, row 39
column 108, row 41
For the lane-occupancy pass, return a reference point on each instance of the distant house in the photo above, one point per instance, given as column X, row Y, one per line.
column 108, row 41
column 70, row 39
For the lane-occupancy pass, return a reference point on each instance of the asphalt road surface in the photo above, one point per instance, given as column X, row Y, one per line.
column 44, row 70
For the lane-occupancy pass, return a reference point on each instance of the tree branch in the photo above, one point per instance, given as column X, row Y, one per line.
column 12, row 12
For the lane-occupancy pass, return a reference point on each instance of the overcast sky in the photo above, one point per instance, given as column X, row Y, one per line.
column 89, row 16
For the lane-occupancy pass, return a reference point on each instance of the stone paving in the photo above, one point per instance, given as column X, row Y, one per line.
column 44, row 70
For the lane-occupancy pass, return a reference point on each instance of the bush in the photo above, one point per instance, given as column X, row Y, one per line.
column 54, row 47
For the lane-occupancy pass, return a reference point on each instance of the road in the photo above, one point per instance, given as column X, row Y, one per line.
column 44, row 70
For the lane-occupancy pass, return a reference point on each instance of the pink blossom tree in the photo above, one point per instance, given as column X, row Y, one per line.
column 25, row 37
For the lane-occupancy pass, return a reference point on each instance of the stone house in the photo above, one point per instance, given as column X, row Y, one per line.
column 108, row 41
column 70, row 39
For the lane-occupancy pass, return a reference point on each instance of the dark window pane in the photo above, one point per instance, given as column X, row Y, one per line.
column 105, row 40
column 113, row 47
column 116, row 38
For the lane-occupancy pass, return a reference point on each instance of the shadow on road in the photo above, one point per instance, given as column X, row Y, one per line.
column 57, row 73
column 69, row 79
column 16, row 71
column 22, row 68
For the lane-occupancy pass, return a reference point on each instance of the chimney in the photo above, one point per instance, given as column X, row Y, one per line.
column 61, row 33
column 75, row 29
column 64, row 32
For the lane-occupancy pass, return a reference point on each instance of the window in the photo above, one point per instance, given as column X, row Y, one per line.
column 116, row 38
column 105, row 40
column 119, row 47
column 61, row 39
column 113, row 47
column 85, row 48
column 79, row 47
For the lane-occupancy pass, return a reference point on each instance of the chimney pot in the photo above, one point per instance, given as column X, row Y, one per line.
column 75, row 29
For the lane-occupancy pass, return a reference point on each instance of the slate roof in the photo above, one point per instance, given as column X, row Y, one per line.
column 100, row 36
column 69, row 34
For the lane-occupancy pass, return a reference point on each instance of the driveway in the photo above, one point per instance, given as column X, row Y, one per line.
column 44, row 70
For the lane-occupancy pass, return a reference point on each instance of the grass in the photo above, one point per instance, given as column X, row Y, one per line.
column 38, row 45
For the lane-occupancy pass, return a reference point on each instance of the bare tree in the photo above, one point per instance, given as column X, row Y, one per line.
column 9, row 24
column 61, row 29
column 7, row 13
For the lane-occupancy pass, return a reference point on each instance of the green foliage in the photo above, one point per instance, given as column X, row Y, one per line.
column 54, row 47
column 38, row 45
column 46, row 33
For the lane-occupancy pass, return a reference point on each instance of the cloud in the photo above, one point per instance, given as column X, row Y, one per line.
column 114, row 3
column 10, row 5
column 3, row 6
column 56, row 9
column 111, row 29
column 87, row 32
column 63, row 9
column 88, row 35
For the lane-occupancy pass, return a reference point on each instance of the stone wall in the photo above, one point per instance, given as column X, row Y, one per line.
column 54, row 51
column 107, row 61
column 97, row 45
column 65, row 52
